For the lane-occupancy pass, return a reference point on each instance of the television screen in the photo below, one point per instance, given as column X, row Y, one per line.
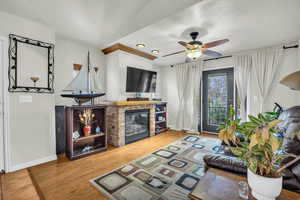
column 139, row 80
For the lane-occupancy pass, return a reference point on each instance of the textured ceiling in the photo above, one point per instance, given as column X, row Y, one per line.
column 159, row 24
column 96, row 22
column 247, row 24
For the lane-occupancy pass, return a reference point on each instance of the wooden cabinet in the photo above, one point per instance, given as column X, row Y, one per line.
column 60, row 129
column 161, row 117
column 81, row 146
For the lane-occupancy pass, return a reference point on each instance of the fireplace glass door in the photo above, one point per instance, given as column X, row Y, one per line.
column 136, row 125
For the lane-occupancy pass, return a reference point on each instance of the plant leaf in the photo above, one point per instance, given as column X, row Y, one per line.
column 265, row 134
column 253, row 141
column 255, row 120
column 275, row 143
column 274, row 123
column 253, row 165
column 262, row 118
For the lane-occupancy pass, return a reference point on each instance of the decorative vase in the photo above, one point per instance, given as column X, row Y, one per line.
column 264, row 188
column 98, row 130
column 87, row 130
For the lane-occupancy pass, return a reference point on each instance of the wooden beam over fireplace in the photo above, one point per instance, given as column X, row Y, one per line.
column 122, row 47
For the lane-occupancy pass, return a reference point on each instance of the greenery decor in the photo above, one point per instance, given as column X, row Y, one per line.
column 227, row 132
column 277, row 110
column 261, row 148
column 87, row 117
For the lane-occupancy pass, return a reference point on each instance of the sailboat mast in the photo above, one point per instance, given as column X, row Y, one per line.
column 89, row 75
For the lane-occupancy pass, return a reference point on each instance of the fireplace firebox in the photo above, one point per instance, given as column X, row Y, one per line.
column 136, row 125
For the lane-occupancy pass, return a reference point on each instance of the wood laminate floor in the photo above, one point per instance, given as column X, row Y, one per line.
column 65, row 180
column 17, row 186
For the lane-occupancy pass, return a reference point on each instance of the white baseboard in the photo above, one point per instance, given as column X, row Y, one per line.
column 173, row 128
column 32, row 163
column 187, row 131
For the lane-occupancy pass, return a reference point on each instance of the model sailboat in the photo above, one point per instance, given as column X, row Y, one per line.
column 85, row 86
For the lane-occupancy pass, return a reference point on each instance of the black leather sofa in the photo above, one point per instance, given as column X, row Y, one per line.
column 291, row 144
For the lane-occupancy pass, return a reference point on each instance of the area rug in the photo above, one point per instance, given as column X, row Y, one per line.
column 169, row 173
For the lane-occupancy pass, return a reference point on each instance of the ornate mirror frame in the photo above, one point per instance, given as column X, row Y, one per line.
column 14, row 41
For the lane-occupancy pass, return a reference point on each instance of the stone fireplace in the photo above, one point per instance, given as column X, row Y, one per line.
column 130, row 123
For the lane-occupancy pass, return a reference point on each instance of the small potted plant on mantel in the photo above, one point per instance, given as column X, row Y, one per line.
column 262, row 152
column 87, row 119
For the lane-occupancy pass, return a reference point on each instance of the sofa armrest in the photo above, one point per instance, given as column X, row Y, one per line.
column 228, row 163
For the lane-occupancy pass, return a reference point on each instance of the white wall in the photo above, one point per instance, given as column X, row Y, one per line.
column 281, row 94
column 31, row 129
column 116, row 64
column 67, row 53
column 2, row 105
column 32, row 125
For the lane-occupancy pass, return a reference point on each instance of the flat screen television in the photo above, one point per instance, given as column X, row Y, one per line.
column 140, row 80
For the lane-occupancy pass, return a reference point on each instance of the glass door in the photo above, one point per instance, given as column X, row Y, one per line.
column 218, row 92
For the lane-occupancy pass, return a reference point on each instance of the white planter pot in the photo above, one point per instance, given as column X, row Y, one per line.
column 264, row 188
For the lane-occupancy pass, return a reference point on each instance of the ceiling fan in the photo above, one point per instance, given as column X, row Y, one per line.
column 196, row 48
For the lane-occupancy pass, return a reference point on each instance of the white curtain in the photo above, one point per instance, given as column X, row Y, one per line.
column 266, row 64
column 242, row 70
column 182, row 73
column 188, row 76
column 196, row 77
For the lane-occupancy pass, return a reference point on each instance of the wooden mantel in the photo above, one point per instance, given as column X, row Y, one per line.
column 133, row 103
column 128, row 49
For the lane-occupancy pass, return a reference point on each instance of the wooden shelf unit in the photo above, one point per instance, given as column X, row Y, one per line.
column 161, row 117
column 88, row 137
column 97, row 141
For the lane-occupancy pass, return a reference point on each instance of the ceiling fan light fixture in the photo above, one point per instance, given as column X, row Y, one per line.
column 140, row 45
column 193, row 54
column 155, row 51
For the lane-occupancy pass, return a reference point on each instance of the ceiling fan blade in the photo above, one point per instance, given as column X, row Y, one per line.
column 211, row 53
column 215, row 43
column 178, row 52
column 186, row 45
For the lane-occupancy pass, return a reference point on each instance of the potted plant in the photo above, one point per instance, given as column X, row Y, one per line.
column 87, row 119
column 261, row 151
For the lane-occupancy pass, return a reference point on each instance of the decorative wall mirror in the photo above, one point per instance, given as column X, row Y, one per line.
column 31, row 65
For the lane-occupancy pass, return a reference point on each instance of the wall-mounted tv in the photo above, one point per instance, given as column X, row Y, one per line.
column 140, row 80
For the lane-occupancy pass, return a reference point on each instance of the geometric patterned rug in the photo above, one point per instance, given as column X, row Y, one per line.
column 169, row 173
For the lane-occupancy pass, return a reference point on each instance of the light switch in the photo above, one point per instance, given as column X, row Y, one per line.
column 25, row 99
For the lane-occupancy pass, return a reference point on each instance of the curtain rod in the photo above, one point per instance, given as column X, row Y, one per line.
column 290, row 47
column 284, row 47
column 217, row 58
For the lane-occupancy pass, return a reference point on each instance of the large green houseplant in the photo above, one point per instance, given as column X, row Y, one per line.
column 261, row 150
column 261, row 147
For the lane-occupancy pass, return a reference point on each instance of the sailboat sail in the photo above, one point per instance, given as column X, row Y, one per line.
column 79, row 83
column 95, row 81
